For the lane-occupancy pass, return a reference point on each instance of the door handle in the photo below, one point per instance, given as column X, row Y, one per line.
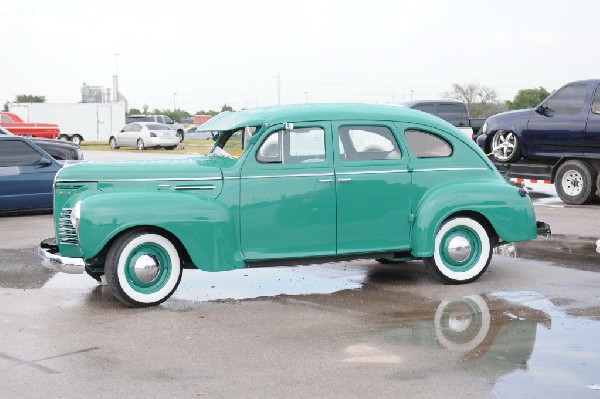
column 326, row 180
column 343, row 179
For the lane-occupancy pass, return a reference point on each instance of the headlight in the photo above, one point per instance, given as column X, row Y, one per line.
column 484, row 127
column 76, row 215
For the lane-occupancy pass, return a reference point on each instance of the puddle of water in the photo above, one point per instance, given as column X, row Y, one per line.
column 579, row 253
column 199, row 286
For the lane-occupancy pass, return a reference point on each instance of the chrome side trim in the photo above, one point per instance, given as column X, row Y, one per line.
column 447, row 169
column 205, row 187
column 292, row 175
column 151, row 179
column 373, row 172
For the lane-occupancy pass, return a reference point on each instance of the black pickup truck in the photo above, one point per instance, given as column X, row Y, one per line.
column 559, row 141
column 454, row 112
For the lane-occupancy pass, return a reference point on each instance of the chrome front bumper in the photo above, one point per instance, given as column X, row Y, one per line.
column 48, row 251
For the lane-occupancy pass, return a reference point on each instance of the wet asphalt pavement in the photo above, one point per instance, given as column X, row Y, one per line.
column 528, row 328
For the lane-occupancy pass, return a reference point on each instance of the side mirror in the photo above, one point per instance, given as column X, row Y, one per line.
column 44, row 161
column 541, row 109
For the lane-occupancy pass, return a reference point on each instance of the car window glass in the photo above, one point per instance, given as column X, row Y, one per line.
column 136, row 127
column 302, row 145
column 449, row 111
column 596, row 103
column 568, row 100
column 167, row 120
column 427, row 145
column 5, row 119
column 156, row 126
column 17, row 153
column 367, row 143
column 425, row 108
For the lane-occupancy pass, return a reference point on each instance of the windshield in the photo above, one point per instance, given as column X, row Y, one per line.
column 232, row 143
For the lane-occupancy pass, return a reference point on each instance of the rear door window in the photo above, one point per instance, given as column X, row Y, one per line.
column 366, row 143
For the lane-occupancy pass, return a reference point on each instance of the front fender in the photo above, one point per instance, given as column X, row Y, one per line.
column 509, row 213
column 514, row 121
column 204, row 226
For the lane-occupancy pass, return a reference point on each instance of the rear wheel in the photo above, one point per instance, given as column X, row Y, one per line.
column 505, row 146
column 181, row 135
column 576, row 182
column 76, row 139
column 140, row 144
column 142, row 268
column 63, row 137
column 462, row 251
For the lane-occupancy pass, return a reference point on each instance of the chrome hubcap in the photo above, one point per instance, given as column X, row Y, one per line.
column 146, row 268
column 459, row 248
column 503, row 145
column 572, row 183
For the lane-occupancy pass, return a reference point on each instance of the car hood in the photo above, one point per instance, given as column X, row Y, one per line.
column 185, row 169
column 518, row 113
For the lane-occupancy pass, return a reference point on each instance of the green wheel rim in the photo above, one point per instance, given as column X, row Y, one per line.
column 474, row 241
column 164, row 268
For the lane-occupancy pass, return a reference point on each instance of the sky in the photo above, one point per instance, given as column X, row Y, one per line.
column 199, row 55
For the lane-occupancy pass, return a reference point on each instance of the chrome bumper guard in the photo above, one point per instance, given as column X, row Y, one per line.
column 48, row 251
column 543, row 229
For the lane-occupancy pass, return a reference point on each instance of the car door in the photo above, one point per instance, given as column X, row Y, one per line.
column 373, row 186
column 26, row 177
column 560, row 129
column 592, row 130
column 122, row 136
column 287, row 204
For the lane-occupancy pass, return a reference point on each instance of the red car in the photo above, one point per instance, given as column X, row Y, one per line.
column 16, row 125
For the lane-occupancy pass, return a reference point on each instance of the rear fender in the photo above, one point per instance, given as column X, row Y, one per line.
column 498, row 204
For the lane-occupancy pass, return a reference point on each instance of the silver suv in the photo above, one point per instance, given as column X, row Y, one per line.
column 178, row 127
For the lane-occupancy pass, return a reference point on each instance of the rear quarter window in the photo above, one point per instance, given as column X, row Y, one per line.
column 427, row 145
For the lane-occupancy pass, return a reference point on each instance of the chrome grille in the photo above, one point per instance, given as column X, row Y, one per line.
column 66, row 231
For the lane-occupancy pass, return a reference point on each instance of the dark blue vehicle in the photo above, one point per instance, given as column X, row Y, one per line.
column 26, row 176
column 561, row 135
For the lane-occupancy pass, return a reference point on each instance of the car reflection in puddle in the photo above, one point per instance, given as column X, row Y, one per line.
column 198, row 286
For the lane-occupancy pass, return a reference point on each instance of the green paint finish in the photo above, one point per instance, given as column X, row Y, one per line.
column 226, row 211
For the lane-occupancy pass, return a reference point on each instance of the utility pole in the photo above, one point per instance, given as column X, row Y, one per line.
column 174, row 97
column 306, row 96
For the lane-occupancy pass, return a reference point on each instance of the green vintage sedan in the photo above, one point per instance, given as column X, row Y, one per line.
column 298, row 183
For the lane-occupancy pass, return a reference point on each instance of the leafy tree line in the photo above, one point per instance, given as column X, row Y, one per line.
column 179, row 114
column 26, row 98
column 482, row 101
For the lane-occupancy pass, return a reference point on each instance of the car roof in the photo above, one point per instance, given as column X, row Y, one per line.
column 316, row 112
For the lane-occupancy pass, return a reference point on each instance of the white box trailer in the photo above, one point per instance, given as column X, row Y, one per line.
column 77, row 121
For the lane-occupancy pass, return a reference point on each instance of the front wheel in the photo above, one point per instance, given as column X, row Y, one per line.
column 113, row 143
column 140, row 144
column 142, row 268
column 505, row 146
column 181, row 135
column 462, row 251
column 575, row 182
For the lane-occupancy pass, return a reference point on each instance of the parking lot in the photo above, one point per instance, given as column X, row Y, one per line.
column 527, row 328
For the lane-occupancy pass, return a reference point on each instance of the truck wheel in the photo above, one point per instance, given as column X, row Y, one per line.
column 113, row 143
column 140, row 144
column 505, row 146
column 76, row 139
column 181, row 135
column 462, row 251
column 575, row 182
column 63, row 137
column 142, row 268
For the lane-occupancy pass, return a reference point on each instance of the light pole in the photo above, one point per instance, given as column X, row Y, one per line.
column 411, row 94
column 306, row 96
column 174, row 105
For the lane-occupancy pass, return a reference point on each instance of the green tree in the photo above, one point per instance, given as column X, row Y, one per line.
column 28, row 98
column 6, row 106
column 528, row 98
column 176, row 115
column 134, row 111
column 211, row 112
column 226, row 107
